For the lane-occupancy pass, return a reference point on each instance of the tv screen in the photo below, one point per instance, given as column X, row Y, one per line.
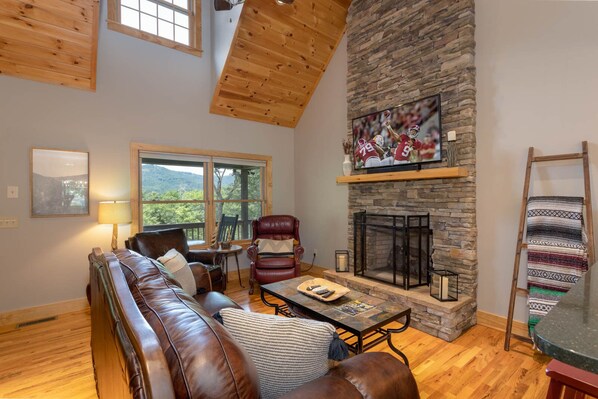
column 407, row 134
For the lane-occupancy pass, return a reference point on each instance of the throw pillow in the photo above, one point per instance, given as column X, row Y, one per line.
column 275, row 247
column 287, row 352
column 176, row 264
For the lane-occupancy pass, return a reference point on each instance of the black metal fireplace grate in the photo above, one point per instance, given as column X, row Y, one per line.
column 395, row 249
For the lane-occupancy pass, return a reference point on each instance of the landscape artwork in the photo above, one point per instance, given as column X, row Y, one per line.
column 59, row 183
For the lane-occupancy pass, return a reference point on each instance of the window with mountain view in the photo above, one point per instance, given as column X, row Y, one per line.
column 192, row 190
column 172, row 195
column 238, row 191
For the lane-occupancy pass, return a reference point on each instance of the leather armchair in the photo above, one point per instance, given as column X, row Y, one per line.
column 204, row 264
column 264, row 270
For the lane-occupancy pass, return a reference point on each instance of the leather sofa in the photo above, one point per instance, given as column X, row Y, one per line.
column 152, row 340
column 205, row 264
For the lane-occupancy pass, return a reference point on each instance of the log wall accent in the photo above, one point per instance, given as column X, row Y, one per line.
column 277, row 57
column 52, row 41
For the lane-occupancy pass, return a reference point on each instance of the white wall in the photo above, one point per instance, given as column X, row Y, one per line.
column 145, row 93
column 537, row 83
column 321, row 204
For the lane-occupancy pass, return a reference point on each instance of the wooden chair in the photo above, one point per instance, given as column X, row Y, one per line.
column 569, row 381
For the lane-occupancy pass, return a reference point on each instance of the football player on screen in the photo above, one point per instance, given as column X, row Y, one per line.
column 370, row 153
column 408, row 145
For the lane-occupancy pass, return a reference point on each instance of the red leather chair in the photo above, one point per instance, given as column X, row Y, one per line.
column 271, row 269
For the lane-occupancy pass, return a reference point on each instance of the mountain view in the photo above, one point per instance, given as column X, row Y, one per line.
column 159, row 179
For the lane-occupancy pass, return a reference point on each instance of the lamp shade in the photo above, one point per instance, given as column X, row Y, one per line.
column 114, row 212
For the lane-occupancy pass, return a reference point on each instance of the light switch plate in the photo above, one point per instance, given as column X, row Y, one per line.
column 8, row 222
column 12, row 192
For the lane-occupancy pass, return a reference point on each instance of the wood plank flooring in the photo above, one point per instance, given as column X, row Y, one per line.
column 53, row 360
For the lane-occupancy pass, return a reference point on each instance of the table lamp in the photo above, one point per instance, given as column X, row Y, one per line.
column 114, row 213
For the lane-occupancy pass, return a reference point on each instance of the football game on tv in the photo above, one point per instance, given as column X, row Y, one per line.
column 403, row 135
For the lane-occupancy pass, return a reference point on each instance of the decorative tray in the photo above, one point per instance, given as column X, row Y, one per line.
column 339, row 290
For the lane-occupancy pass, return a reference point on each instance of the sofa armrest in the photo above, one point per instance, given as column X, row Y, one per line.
column 325, row 387
column 202, row 277
column 378, row 375
column 252, row 252
column 205, row 256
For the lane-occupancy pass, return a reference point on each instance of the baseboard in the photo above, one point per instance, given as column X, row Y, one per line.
column 14, row 317
column 500, row 323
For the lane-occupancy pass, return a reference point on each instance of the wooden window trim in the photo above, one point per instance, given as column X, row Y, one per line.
column 195, row 26
column 137, row 148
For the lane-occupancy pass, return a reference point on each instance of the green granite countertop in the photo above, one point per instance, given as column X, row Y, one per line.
column 569, row 332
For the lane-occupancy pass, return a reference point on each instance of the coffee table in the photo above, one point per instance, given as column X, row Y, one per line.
column 366, row 327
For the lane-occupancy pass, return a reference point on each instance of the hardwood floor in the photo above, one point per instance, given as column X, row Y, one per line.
column 53, row 360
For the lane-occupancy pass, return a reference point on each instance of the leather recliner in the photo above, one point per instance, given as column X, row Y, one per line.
column 264, row 270
column 204, row 264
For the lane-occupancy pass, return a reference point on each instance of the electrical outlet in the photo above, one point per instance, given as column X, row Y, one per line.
column 8, row 222
column 315, row 252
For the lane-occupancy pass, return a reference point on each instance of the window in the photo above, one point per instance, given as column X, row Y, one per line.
column 191, row 189
column 238, row 190
column 172, row 23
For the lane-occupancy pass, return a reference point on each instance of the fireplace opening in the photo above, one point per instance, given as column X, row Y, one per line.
column 394, row 249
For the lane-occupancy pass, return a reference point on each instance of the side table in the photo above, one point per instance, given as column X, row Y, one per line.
column 233, row 250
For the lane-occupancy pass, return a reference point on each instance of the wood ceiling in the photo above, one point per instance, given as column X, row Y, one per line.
column 277, row 57
column 53, row 41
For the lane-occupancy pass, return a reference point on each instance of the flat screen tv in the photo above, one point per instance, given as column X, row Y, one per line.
column 404, row 135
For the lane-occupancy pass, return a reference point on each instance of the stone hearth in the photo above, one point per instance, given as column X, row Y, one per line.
column 445, row 320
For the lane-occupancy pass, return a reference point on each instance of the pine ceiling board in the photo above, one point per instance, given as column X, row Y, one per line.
column 44, row 63
column 252, row 88
column 291, row 47
column 52, row 41
column 43, row 28
column 42, row 52
column 277, row 58
column 242, row 67
column 26, row 72
column 49, row 16
column 273, row 59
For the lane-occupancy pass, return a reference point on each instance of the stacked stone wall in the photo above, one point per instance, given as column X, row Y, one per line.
column 400, row 51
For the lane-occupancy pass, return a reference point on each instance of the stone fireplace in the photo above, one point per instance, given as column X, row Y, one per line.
column 400, row 51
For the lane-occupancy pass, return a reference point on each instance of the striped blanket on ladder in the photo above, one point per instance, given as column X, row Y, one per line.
column 556, row 251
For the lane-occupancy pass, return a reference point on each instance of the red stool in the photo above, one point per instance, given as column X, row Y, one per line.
column 576, row 383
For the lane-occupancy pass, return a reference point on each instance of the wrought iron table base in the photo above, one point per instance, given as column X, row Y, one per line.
column 358, row 346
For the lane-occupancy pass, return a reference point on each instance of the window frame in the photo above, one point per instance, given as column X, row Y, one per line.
column 194, row 47
column 136, row 150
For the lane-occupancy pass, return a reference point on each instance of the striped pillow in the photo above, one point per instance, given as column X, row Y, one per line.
column 275, row 247
column 287, row 352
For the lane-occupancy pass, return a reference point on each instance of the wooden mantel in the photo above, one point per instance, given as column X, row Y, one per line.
column 432, row 173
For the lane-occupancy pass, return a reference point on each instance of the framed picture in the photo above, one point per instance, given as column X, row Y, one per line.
column 59, row 183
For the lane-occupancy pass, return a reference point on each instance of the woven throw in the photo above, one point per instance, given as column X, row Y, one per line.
column 556, row 253
column 555, row 221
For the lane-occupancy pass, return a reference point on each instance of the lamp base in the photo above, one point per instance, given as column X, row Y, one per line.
column 114, row 237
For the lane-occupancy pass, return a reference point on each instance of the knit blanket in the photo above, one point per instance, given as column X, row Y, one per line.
column 556, row 251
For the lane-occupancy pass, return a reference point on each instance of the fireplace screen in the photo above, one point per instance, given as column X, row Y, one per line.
column 393, row 248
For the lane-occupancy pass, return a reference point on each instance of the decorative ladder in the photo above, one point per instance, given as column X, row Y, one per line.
column 531, row 159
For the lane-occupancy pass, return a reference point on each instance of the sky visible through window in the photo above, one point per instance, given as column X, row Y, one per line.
column 165, row 18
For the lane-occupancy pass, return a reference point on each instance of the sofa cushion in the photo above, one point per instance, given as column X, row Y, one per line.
column 287, row 352
column 176, row 264
column 203, row 358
